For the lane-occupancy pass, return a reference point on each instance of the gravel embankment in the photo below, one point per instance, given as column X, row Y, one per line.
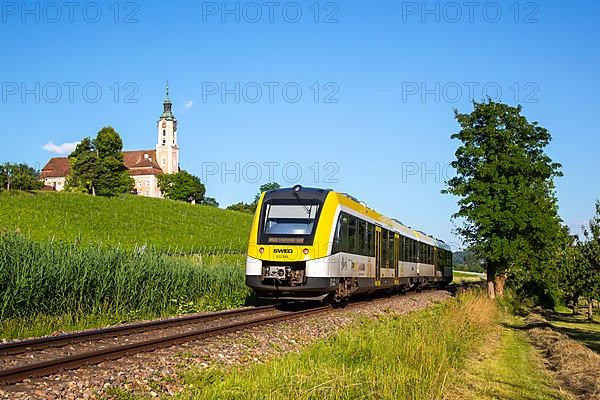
column 156, row 374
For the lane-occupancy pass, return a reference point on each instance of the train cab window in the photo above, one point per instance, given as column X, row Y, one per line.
column 286, row 219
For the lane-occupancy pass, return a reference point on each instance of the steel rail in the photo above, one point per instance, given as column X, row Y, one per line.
column 18, row 374
column 95, row 334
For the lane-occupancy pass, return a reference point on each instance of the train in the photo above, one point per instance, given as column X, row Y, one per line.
column 312, row 244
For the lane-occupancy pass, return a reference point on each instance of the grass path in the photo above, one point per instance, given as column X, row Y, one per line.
column 511, row 369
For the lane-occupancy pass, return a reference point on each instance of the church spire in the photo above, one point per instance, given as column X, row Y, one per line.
column 167, row 105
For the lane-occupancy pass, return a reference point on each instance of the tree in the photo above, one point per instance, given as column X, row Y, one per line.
column 97, row 166
column 242, row 207
column 210, row 201
column 590, row 276
column 265, row 188
column 572, row 266
column 251, row 208
column 182, row 186
column 19, row 177
column 505, row 184
column 113, row 177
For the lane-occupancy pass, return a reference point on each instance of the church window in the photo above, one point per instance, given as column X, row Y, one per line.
column 164, row 161
column 164, row 142
column 164, row 132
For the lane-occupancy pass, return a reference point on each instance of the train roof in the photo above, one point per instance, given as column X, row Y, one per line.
column 360, row 207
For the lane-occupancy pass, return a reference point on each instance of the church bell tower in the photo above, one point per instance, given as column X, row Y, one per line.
column 167, row 150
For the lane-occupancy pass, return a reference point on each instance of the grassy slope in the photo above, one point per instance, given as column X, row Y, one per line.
column 126, row 221
column 511, row 369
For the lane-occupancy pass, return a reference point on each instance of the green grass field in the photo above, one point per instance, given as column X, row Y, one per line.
column 406, row 357
column 128, row 221
column 47, row 286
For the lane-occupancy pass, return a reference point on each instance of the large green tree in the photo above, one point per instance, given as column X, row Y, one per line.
column 504, row 182
column 97, row 165
column 19, row 177
column 182, row 186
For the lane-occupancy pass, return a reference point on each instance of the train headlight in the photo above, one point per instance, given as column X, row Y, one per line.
column 297, row 188
column 305, row 251
column 261, row 250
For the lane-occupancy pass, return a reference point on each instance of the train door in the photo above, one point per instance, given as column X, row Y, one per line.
column 377, row 256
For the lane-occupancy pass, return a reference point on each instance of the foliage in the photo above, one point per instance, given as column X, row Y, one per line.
column 19, row 177
column 125, row 221
column 242, row 207
column 590, row 273
column 210, row 201
column 265, row 188
column 54, row 278
column 97, row 166
column 467, row 261
column 406, row 357
column 182, row 186
column 251, row 208
column 505, row 184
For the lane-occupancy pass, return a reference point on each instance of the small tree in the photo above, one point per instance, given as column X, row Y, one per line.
column 242, row 207
column 19, row 177
column 210, row 201
column 97, row 166
column 182, row 186
column 590, row 276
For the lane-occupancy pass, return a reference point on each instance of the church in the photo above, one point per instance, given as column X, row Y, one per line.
column 143, row 165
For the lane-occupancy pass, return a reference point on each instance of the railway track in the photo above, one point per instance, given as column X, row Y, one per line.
column 15, row 374
column 222, row 322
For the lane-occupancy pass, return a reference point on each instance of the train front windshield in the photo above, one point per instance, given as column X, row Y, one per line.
column 286, row 219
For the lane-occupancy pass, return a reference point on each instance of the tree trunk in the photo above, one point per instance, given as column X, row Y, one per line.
column 491, row 277
column 575, row 301
column 590, row 310
column 499, row 284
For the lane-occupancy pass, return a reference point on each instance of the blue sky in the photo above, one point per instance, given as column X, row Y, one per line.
column 357, row 97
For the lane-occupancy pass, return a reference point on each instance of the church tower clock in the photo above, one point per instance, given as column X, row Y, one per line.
column 167, row 150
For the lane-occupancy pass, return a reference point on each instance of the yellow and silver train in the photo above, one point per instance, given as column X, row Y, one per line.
column 317, row 244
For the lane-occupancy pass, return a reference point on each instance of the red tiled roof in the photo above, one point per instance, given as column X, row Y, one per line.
column 138, row 162
column 56, row 168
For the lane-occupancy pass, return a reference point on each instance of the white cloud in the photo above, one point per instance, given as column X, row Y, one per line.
column 189, row 104
column 62, row 149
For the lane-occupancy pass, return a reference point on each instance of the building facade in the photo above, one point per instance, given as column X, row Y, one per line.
column 144, row 166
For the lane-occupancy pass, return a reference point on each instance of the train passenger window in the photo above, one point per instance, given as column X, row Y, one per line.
column 391, row 250
column 362, row 237
column 371, row 239
column 340, row 241
column 383, row 248
column 352, row 235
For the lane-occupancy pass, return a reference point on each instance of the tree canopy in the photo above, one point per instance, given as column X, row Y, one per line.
column 97, row 165
column 182, row 186
column 19, row 177
column 505, row 186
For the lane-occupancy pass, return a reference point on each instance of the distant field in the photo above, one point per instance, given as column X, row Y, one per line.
column 129, row 221
column 460, row 276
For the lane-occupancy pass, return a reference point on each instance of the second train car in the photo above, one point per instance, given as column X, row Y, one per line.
column 321, row 245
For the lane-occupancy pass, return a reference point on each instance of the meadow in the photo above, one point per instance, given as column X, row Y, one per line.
column 423, row 355
column 47, row 286
column 125, row 222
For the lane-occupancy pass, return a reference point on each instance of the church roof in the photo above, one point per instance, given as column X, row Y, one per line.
column 138, row 162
